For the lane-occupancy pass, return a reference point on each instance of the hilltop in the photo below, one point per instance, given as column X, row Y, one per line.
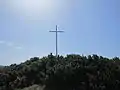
column 73, row 71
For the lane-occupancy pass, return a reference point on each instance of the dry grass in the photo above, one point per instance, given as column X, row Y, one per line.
column 34, row 87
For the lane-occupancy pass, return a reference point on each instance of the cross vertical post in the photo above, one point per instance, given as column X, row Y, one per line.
column 56, row 42
column 56, row 31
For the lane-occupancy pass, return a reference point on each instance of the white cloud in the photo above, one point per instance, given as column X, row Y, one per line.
column 18, row 47
column 2, row 42
column 10, row 44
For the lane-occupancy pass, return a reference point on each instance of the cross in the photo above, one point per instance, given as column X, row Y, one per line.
column 56, row 39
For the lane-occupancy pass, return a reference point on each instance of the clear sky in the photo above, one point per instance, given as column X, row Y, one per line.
column 91, row 27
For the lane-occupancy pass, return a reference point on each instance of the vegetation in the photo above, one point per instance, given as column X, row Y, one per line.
column 72, row 72
column 33, row 87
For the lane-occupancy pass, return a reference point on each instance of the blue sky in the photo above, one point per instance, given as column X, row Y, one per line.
column 91, row 27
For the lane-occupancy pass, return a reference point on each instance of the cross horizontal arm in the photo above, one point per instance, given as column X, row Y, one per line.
column 56, row 31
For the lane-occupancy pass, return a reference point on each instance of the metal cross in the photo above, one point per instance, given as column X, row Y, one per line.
column 56, row 39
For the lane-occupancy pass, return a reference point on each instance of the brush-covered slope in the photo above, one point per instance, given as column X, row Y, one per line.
column 66, row 73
